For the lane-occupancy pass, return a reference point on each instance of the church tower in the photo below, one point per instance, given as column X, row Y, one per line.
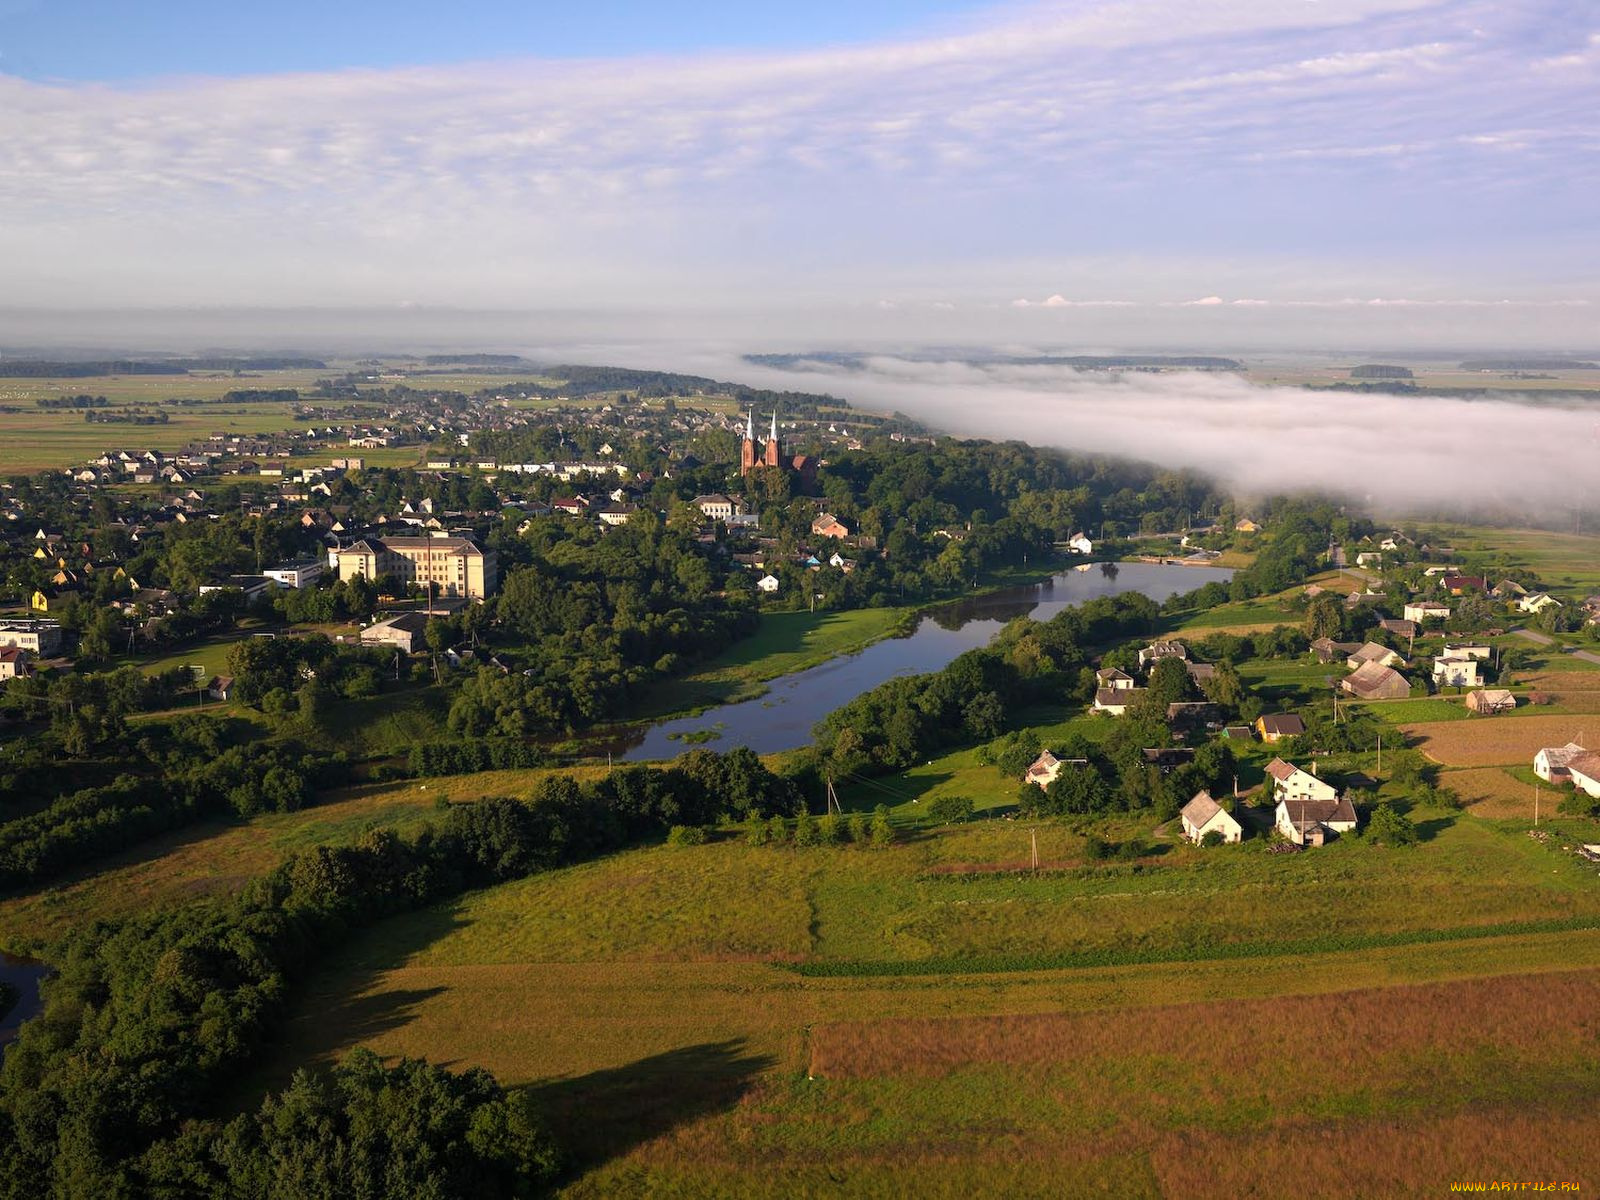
column 772, row 457
column 747, row 452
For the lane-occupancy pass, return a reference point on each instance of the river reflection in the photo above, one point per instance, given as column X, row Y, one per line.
column 784, row 717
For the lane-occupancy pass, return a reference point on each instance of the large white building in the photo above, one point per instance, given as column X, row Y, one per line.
column 455, row 566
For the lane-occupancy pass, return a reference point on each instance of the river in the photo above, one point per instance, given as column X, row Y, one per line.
column 783, row 718
column 24, row 975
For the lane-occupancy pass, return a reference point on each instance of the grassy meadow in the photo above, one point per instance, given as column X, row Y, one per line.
column 651, row 1001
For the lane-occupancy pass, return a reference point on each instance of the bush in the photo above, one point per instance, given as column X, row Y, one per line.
column 805, row 830
column 830, row 829
column 1096, row 848
column 777, row 830
column 759, row 833
column 686, row 835
column 856, row 828
column 1211, row 838
column 1390, row 827
column 948, row 809
column 1131, row 849
column 882, row 829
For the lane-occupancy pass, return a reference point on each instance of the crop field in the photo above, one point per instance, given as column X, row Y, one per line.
column 651, row 1001
column 1499, row 741
column 1562, row 560
column 1492, row 793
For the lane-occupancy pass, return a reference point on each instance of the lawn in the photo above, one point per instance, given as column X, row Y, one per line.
column 650, row 1002
column 784, row 643
column 1565, row 562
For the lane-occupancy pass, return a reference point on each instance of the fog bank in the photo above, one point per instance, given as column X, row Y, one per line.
column 1398, row 453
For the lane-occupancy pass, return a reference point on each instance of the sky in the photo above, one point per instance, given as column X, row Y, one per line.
column 1067, row 174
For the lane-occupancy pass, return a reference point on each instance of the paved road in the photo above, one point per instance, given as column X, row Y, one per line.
column 1544, row 639
column 1586, row 655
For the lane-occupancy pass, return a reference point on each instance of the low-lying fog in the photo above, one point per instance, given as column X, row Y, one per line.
column 1394, row 452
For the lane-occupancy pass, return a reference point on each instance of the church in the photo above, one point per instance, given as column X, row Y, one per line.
column 803, row 466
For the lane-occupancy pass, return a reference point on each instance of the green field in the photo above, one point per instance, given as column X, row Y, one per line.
column 1566, row 562
column 650, row 1002
column 785, row 642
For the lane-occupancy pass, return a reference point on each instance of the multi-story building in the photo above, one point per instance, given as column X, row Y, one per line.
column 455, row 566
column 40, row 638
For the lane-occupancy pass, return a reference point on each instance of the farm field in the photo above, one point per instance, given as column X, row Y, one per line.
column 1499, row 741
column 650, row 1002
column 1564, row 561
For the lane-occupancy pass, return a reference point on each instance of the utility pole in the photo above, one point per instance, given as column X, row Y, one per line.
column 1380, row 754
column 1536, row 806
column 1033, row 838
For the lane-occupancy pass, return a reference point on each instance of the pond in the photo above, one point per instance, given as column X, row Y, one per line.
column 24, row 976
column 783, row 718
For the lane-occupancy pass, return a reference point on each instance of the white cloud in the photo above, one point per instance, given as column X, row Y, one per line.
column 1051, row 133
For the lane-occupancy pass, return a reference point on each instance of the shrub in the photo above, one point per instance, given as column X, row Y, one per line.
column 759, row 833
column 777, row 830
column 1390, row 827
column 830, row 829
column 882, row 830
column 856, row 829
column 686, row 835
column 805, row 830
column 1096, row 848
column 1211, row 838
column 1131, row 849
column 948, row 809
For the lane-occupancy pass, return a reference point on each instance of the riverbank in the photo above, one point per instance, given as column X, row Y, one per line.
column 790, row 642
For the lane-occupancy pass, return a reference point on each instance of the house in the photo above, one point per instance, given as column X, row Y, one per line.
column 1458, row 585
column 1584, row 771
column 1112, row 677
column 1327, row 650
column 253, row 586
column 1422, row 611
column 1187, row 715
column 1047, row 766
column 716, row 506
column 1398, row 628
column 1274, row 727
column 1451, row 671
column 296, row 575
column 828, row 525
column 1246, row 525
column 13, row 662
column 1203, row 815
column 1167, row 759
column 1489, row 701
column 220, row 687
column 1374, row 681
column 1467, row 650
column 1550, row 764
column 42, row 639
column 1156, row 651
column 1201, row 672
column 768, row 584
column 615, row 514
column 1312, row 822
column 1507, row 589
column 1369, row 558
column 1538, row 602
column 1288, row 780
column 404, row 632
column 1079, row 543
column 1372, row 652
column 1116, row 701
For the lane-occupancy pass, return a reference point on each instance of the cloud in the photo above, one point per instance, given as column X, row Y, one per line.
column 1478, row 454
column 1204, row 302
column 1177, row 132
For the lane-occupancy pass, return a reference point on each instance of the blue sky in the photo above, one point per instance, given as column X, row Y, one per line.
column 124, row 40
column 1043, row 172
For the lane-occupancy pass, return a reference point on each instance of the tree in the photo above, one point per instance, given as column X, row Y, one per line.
column 949, row 809
column 1391, row 827
column 882, row 829
column 805, row 830
column 1325, row 618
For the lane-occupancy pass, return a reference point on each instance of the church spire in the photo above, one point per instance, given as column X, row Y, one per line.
column 750, row 426
column 774, row 426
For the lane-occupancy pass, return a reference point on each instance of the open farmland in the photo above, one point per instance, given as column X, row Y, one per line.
column 1499, row 741
column 660, row 1005
column 1561, row 560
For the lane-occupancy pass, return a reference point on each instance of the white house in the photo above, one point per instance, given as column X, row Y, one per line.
column 1584, row 771
column 1426, row 610
column 1203, row 815
column 1112, row 677
column 1538, row 602
column 1455, row 671
column 1079, row 543
column 1290, row 781
column 1550, row 764
column 1114, row 701
column 768, row 584
column 295, row 575
column 1307, row 822
column 1466, row 650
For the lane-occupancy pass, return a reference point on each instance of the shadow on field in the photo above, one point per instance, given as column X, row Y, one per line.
column 605, row 1114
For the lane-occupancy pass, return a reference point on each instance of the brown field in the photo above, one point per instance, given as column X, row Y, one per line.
column 1491, row 793
column 1561, row 681
column 1502, row 742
